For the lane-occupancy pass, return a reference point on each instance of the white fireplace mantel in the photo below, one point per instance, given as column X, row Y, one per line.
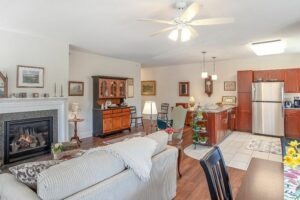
column 14, row 105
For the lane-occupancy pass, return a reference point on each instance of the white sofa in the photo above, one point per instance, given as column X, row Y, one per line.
column 100, row 176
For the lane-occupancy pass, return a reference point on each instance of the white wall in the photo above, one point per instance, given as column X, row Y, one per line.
column 167, row 77
column 84, row 65
column 21, row 49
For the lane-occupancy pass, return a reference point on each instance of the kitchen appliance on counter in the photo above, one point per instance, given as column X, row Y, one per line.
column 288, row 104
column 297, row 102
column 268, row 108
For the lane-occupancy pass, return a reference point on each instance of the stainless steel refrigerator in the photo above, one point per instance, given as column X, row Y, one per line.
column 268, row 108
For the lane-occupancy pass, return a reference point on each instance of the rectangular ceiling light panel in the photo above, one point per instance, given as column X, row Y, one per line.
column 268, row 47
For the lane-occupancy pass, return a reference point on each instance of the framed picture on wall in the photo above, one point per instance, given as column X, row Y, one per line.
column 30, row 77
column 148, row 88
column 76, row 88
column 229, row 86
column 130, row 88
column 184, row 89
column 228, row 100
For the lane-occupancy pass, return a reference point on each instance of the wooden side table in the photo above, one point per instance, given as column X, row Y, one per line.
column 175, row 142
column 75, row 136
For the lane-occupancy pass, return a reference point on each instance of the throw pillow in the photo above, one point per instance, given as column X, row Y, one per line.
column 27, row 173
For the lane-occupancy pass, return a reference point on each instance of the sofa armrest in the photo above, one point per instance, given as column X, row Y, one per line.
column 11, row 189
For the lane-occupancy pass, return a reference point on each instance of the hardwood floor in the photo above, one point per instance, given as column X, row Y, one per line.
column 193, row 184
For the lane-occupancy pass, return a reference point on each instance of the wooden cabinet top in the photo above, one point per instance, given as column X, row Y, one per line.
column 110, row 77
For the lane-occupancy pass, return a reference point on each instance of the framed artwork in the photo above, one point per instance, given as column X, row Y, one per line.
column 229, row 100
column 130, row 88
column 148, row 88
column 3, row 86
column 229, row 86
column 76, row 88
column 30, row 77
column 184, row 89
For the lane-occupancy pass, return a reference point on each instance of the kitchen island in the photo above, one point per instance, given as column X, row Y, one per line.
column 219, row 123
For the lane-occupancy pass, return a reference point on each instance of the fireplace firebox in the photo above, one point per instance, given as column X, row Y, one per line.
column 27, row 138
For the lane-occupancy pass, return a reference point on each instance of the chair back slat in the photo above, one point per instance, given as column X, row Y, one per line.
column 216, row 175
column 164, row 107
column 132, row 110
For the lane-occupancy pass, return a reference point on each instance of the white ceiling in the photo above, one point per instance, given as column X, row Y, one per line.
column 109, row 27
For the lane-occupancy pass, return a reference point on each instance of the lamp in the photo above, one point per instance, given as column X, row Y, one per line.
column 214, row 76
column 173, row 35
column 75, row 109
column 204, row 74
column 192, row 102
column 150, row 109
column 268, row 47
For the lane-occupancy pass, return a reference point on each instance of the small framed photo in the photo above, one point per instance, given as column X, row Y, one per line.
column 130, row 88
column 228, row 100
column 229, row 86
column 76, row 88
column 184, row 89
column 148, row 88
column 30, row 77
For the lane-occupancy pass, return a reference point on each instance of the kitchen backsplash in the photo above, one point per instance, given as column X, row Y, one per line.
column 290, row 96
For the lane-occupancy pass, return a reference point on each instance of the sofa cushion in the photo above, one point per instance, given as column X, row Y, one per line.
column 72, row 176
column 27, row 172
column 161, row 137
column 11, row 189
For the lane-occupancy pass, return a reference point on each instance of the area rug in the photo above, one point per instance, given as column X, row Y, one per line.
column 198, row 152
column 273, row 147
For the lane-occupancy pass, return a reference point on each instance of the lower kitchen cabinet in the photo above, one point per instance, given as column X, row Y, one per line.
column 292, row 123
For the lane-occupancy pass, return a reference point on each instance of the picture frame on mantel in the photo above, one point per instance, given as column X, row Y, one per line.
column 229, row 86
column 148, row 88
column 76, row 88
column 3, row 86
column 130, row 88
column 30, row 77
column 184, row 89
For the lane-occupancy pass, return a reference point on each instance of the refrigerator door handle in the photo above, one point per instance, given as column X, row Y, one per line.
column 282, row 101
column 253, row 93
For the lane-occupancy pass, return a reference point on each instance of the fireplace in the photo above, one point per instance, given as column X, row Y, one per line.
column 27, row 138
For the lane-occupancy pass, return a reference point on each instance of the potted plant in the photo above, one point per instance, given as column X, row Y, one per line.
column 56, row 150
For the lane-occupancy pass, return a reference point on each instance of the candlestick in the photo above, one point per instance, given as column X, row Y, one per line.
column 54, row 89
column 61, row 91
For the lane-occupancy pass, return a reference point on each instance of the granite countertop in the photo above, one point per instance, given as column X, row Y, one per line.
column 219, row 109
column 293, row 108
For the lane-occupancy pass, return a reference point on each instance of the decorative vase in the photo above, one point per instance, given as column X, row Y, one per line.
column 170, row 136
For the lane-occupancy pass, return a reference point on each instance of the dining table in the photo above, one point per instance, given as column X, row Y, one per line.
column 264, row 180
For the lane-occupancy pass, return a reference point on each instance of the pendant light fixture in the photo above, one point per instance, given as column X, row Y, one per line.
column 204, row 73
column 214, row 76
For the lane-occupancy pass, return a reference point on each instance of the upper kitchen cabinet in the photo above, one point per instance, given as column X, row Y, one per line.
column 244, row 79
column 269, row 75
column 292, row 80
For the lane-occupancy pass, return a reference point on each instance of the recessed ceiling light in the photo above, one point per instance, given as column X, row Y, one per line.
column 268, row 47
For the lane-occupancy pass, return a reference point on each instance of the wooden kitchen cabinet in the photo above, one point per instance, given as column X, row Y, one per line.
column 269, row 75
column 292, row 123
column 244, row 79
column 292, row 81
column 244, row 109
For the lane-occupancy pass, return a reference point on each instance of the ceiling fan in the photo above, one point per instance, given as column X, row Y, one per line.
column 183, row 26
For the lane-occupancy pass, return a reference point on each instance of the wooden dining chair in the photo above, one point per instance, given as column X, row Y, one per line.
column 134, row 117
column 216, row 175
column 164, row 110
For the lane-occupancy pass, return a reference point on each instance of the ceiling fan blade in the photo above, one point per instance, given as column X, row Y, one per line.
column 190, row 12
column 193, row 31
column 212, row 21
column 158, row 21
column 163, row 30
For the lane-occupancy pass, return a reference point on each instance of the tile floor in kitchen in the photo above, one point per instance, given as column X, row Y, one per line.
column 236, row 154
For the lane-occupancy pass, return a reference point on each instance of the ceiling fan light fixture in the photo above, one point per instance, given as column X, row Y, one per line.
column 185, row 34
column 173, row 35
column 268, row 47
